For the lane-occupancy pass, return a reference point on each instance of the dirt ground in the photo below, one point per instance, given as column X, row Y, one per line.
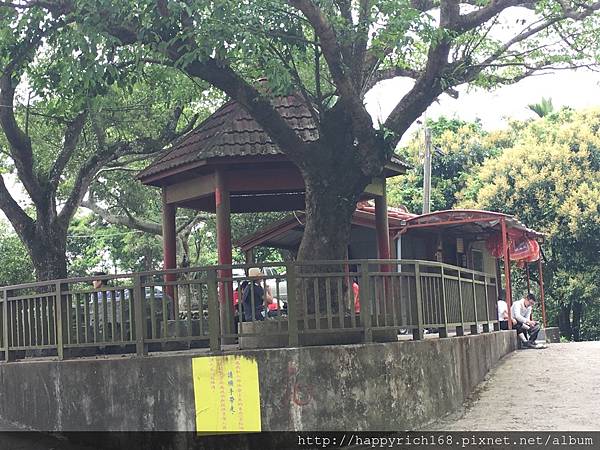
column 557, row 388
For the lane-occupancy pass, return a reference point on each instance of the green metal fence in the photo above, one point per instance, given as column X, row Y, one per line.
column 202, row 308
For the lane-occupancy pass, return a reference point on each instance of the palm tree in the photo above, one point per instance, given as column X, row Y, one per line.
column 543, row 108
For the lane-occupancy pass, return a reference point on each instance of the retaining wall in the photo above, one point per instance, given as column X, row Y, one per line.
column 388, row 386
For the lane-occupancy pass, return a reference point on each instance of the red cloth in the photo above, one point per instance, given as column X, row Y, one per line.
column 356, row 290
column 520, row 247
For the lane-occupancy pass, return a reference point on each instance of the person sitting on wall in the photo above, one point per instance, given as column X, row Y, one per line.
column 255, row 294
column 502, row 314
column 521, row 314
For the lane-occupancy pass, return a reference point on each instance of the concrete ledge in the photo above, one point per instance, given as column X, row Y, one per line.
column 551, row 335
column 272, row 333
column 387, row 386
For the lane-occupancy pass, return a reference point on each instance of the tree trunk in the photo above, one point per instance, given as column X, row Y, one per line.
column 564, row 321
column 48, row 252
column 577, row 314
column 330, row 204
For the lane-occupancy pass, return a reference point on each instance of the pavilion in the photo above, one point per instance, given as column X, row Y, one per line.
column 228, row 163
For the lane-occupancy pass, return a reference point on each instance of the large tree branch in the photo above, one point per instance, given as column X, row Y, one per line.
column 471, row 71
column 21, row 222
column 71, row 140
column 426, row 89
column 109, row 152
column 369, row 147
column 130, row 221
column 126, row 220
column 19, row 143
column 261, row 109
column 475, row 18
column 361, row 43
column 329, row 43
column 95, row 162
column 220, row 75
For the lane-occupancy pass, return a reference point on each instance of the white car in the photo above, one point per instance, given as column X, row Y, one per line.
column 277, row 283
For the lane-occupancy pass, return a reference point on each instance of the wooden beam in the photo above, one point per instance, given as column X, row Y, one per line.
column 284, row 202
column 265, row 180
column 376, row 187
column 187, row 190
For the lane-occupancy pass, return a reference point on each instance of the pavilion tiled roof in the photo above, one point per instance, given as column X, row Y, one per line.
column 231, row 131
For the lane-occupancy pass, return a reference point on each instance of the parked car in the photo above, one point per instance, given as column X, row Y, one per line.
column 277, row 283
column 106, row 298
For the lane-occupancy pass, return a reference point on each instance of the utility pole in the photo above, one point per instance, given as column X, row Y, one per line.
column 427, row 172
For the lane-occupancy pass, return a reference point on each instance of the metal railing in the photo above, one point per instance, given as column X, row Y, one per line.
column 314, row 303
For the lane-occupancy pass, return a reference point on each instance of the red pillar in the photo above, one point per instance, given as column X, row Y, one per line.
column 542, row 291
column 382, row 227
column 169, row 245
column 507, row 282
column 383, row 243
column 223, row 211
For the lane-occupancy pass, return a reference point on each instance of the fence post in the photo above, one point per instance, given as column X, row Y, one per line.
column 290, row 270
column 486, row 325
column 460, row 330
column 474, row 328
column 496, row 323
column 365, row 301
column 60, row 315
column 8, row 354
column 140, row 317
column 418, row 333
column 214, row 319
column 443, row 332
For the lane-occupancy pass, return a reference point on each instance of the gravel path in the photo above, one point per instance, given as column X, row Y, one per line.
column 558, row 389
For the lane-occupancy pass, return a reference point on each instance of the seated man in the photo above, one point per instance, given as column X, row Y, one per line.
column 503, row 314
column 521, row 313
column 255, row 299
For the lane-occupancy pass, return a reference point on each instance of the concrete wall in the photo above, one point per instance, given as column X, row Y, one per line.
column 391, row 386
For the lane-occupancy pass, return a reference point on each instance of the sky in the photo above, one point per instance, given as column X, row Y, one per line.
column 575, row 88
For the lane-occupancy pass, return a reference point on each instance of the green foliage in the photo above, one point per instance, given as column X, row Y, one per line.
column 93, row 244
column 549, row 179
column 16, row 266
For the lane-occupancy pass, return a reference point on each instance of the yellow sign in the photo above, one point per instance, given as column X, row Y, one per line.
column 226, row 394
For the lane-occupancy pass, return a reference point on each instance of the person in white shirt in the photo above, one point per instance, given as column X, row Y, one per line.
column 503, row 314
column 521, row 313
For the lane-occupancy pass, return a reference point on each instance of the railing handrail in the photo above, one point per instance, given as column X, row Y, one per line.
column 64, row 316
column 90, row 278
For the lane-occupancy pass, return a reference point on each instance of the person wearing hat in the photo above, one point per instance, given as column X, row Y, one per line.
column 255, row 298
column 521, row 313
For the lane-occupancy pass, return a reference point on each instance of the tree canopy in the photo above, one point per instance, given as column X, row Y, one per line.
column 549, row 179
column 331, row 53
column 68, row 111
